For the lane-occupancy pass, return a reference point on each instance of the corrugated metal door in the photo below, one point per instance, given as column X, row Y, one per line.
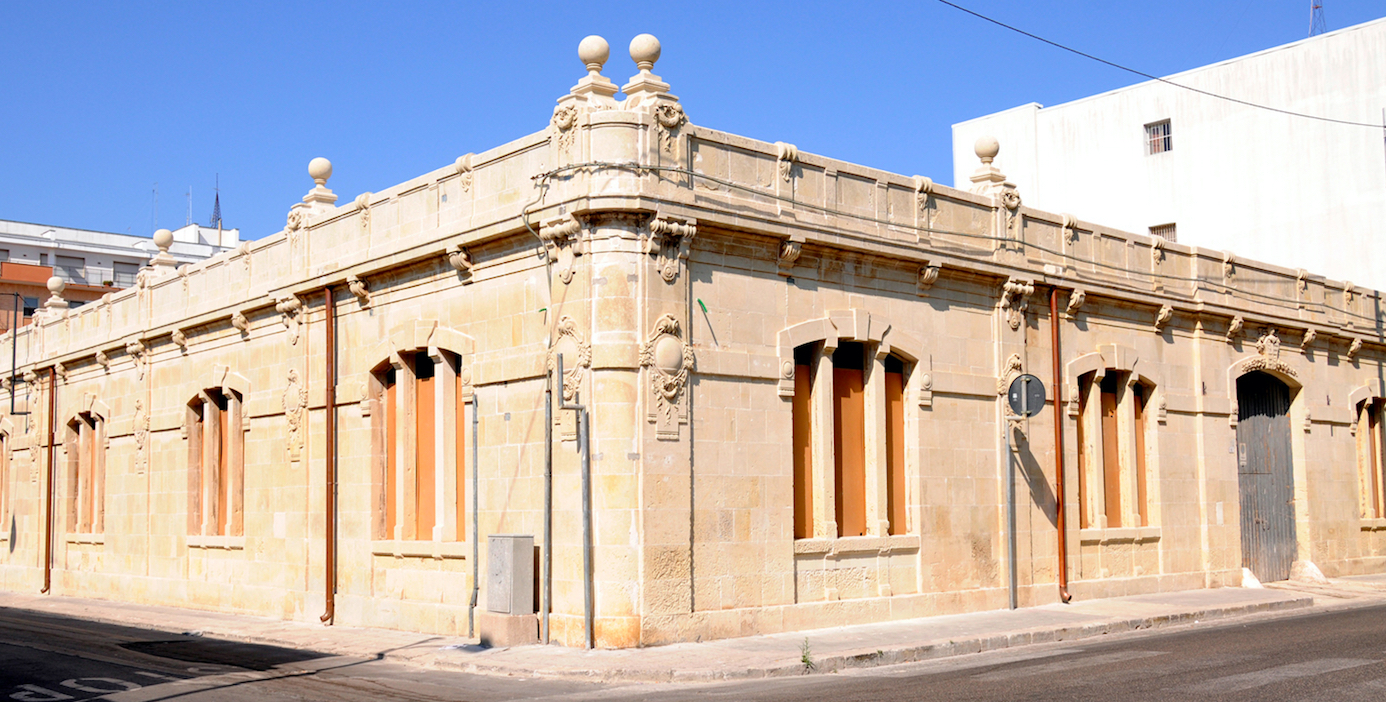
column 1266, row 476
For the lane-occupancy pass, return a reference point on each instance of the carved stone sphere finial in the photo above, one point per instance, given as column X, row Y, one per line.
column 987, row 147
column 163, row 239
column 320, row 169
column 56, row 286
column 644, row 51
column 594, row 51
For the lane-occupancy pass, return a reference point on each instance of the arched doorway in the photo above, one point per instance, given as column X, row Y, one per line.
column 1265, row 474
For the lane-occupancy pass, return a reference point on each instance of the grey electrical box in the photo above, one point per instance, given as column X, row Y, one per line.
column 510, row 582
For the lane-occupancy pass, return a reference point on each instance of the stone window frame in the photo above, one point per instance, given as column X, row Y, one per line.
column 451, row 353
column 85, row 446
column 1084, row 375
column 880, row 340
column 1369, row 403
column 216, row 459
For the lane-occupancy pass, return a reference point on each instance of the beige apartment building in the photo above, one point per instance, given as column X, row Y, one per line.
column 793, row 374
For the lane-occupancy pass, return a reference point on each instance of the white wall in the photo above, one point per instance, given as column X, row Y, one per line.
column 1286, row 190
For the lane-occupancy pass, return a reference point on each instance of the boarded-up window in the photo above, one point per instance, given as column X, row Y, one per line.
column 849, row 443
column 895, row 443
column 1370, row 452
column 1113, row 475
column 420, row 440
column 803, row 442
column 86, row 479
column 216, row 463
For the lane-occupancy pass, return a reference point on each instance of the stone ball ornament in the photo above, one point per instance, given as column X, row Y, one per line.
column 320, row 169
column 593, row 51
column 644, row 51
column 987, row 147
column 163, row 239
column 56, row 285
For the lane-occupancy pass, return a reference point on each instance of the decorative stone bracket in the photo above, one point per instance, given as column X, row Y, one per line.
column 1076, row 299
column 291, row 308
column 1014, row 300
column 464, row 172
column 669, row 118
column 928, row 275
column 1234, row 329
column 139, row 355
column 790, row 251
column 241, row 323
column 461, row 261
column 563, row 243
column 358, row 287
column 180, row 339
column 668, row 360
column 786, row 155
column 1163, row 317
column 669, row 243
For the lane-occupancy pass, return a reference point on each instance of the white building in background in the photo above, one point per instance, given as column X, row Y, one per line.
column 89, row 257
column 1157, row 159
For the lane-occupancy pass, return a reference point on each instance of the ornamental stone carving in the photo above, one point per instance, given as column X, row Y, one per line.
column 358, row 288
column 785, row 157
column 363, row 205
column 576, row 352
column 294, row 401
column 461, row 261
column 1163, row 317
column 1009, row 372
column 1355, row 347
column 1268, row 344
column 1309, row 337
column 669, row 244
column 668, row 360
column 103, row 360
column 1234, row 329
column 563, row 120
column 464, row 172
column 180, row 339
column 1075, row 302
column 669, row 117
column 1229, row 267
column 563, row 244
column 789, row 254
column 1014, row 300
column 61, row 371
column 291, row 310
column 141, row 437
column 241, row 323
column 928, row 275
column 137, row 353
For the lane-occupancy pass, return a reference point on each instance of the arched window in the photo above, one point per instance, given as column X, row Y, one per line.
column 216, row 463
column 1113, row 480
column 86, row 473
column 848, row 440
column 419, row 444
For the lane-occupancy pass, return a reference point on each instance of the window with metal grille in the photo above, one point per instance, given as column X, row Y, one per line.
column 1165, row 231
column 123, row 274
column 71, row 269
column 1158, row 137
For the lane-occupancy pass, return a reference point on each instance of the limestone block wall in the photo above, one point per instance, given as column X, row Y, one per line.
column 677, row 269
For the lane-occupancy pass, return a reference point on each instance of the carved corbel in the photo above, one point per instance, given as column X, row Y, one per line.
column 924, row 220
column 562, row 242
column 1069, row 224
column 359, row 289
column 785, row 157
column 180, row 338
column 291, row 309
column 1075, row 302
column 1157, row 252
column 461, row 261
column 1015, row 300
column 789, row 253
column 363, row 205
column 61, row 371
column 240, row 322
column 1234, row 329
column 30, row 378
column 464, row 172
column 103, row 360
column 1354, row 348
column 668, row 360
column 1163, row 317
column 669, row 244
column 138, row 354
column 928, row 275
column 1308, row 340
column 1229, row 267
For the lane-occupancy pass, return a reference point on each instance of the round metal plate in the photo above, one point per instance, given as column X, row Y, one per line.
column 1026, row 395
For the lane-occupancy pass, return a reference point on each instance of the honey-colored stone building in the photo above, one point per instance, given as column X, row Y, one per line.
column 794, row 372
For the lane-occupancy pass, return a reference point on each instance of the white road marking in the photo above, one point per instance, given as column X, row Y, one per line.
column 1062, row 666
column 1260, row 678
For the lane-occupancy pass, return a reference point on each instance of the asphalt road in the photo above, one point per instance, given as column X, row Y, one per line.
column 1336, row 655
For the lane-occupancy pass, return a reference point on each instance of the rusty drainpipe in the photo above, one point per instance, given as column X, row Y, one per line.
column 330, row 386
column 1064, row 595
column 48, row 489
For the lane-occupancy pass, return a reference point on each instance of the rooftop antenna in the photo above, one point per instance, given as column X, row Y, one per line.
column 216, row 209
column 1316, row 23
column 154, row 214
column 189, row 206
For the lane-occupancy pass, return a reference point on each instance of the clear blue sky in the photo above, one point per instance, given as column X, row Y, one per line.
column 101, row 100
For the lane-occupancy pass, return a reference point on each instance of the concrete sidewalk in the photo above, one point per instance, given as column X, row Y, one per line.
column 750, row 657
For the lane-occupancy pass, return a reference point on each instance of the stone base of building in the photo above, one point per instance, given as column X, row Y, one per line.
column 501, row 630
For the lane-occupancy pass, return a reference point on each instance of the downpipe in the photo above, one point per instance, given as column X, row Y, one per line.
column 1064, row 595
column 330, row 381
column 48, row 488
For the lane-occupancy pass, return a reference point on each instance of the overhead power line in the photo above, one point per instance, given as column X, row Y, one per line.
column 1143, row 74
